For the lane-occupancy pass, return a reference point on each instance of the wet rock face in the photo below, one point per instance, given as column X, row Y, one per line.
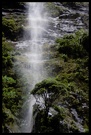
column 66, row 20
column 70, row 20
column 70, row 16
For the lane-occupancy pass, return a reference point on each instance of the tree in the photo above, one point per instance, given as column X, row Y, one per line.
column 48, row 90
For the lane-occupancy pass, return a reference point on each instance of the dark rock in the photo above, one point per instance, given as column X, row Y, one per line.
column 13, row 5
column 69, row 16
column 85, row 20
column 12, row 10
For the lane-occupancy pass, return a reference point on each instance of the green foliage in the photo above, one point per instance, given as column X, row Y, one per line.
column 68, row 89
column 64, row 56
column 6, row 56
column 85, row 41
column 45, row 84
column 74, row 46
column 11, row 29
column 50, row 86
column 11, row 90
column 8, row 81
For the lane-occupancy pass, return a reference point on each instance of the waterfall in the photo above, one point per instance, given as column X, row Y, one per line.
column 37, row 25
column 33, row 54
column 31, row 58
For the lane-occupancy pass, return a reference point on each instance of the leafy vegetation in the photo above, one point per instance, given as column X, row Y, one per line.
column 11, row 29
column 11, row 90
column 73, row 46
column 67, row 91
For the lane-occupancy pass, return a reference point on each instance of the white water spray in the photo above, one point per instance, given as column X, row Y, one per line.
column 32, row 59
column 37, row 23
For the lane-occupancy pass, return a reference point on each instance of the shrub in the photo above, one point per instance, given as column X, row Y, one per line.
column 11, row 91
column 11, row 29
column 75, row 46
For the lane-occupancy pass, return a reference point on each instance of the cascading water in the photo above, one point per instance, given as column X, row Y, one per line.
column 37, row 23
column 31, row 50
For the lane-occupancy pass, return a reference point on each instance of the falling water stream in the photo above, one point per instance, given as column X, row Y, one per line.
column 32, row 68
